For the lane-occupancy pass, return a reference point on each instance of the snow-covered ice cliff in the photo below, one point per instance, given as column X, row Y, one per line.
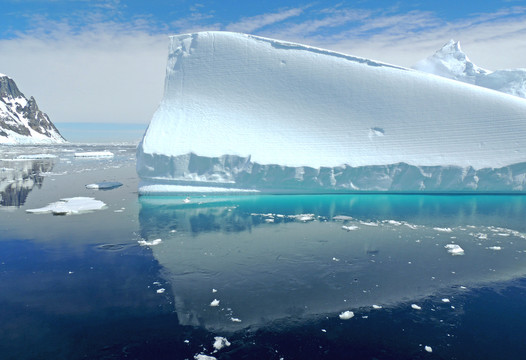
column 21, row 121
column 242, row 112
column 451, row 62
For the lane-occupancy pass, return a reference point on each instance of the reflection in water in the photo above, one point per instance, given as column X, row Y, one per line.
column 18, row 178
column 272, row 257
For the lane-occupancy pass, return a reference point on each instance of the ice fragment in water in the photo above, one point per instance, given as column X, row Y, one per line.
column 446, row 300
column 204, row 357
column 377, row 307
column 350, row 227
column 428, row 349
column 161, row 290
column 454, row 249
column 220, row 342
column 105, row 185
column 416, row 307
column 68, row 206
column 214, row 302
column 150, row 243
column 496, row 248
column 346, row 315
column 94, row 154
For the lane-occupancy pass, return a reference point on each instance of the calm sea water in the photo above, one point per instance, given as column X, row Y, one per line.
column 271, row 274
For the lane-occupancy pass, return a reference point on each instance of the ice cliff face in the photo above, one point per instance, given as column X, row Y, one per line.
column 248, row 113
column 452, row 63
column 21, row 122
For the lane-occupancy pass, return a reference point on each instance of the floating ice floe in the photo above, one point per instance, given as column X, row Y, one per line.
column 350, row 227
column 496, row 248
column 342, row 218
column 346, row 315
column 94, row 154
column 448, row 230
column 150, row 243
column 105, row 185
column 416, row 307
column 304, row 217
column 428, row 349
column 445, row 300
column 204, row 357
column 69, row 206
column 220, row 342
column 454, row 249
column 36, row 156
column 161, row 290
column 235, row 320
column 214, row 302
column 377, row 307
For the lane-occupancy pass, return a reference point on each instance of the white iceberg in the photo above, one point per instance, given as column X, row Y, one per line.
column 69, row 206
column 250, row 113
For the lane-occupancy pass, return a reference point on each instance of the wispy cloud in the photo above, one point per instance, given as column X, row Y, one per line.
column 254, row 23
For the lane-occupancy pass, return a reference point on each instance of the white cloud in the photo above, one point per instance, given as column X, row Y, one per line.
column 251, row 24
column 106, row 74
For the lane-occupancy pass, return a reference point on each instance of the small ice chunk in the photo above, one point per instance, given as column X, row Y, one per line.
column 214, row 302
column 454, row 249
column 350, row 227
column 335, row 259
column 69, row 206
column 161, row 290
column 94, row 154
column 36, row 156
column 377, row 307
column 187, row 200
column 204, row 357
column 368, row 223
column 428, row 349
column 323, row 330
column 342, row 217
column 448, row 230
column 150, row 243
column 446, row 300
column 235, row 319
column 105, row 185
column 346, row 315
column 214, row 290
column 304, row 217
column 220, row 342
column 416, row 307
column 496, row 248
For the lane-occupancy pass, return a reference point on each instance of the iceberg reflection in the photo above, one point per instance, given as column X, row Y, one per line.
column 271, row 257
column 18, row 178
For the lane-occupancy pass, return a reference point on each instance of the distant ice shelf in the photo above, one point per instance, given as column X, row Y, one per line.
column 245, row 113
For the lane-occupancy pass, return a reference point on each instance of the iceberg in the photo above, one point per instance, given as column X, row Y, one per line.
column 451, row 62
column 246, row 113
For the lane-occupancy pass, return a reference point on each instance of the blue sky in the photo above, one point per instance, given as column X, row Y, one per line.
column 104, row 60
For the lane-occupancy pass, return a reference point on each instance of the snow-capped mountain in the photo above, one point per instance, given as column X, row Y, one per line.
column 21, row 122
column 246, row 113
column 451, row 62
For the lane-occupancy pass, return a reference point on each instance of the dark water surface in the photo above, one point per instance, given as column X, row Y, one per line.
column 281, row 270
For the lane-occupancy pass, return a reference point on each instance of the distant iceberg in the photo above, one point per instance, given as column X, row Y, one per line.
column 242, row 112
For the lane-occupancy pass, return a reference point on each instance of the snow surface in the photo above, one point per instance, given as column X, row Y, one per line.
column 451, row 62
column 241, row 111
column 68, row 206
